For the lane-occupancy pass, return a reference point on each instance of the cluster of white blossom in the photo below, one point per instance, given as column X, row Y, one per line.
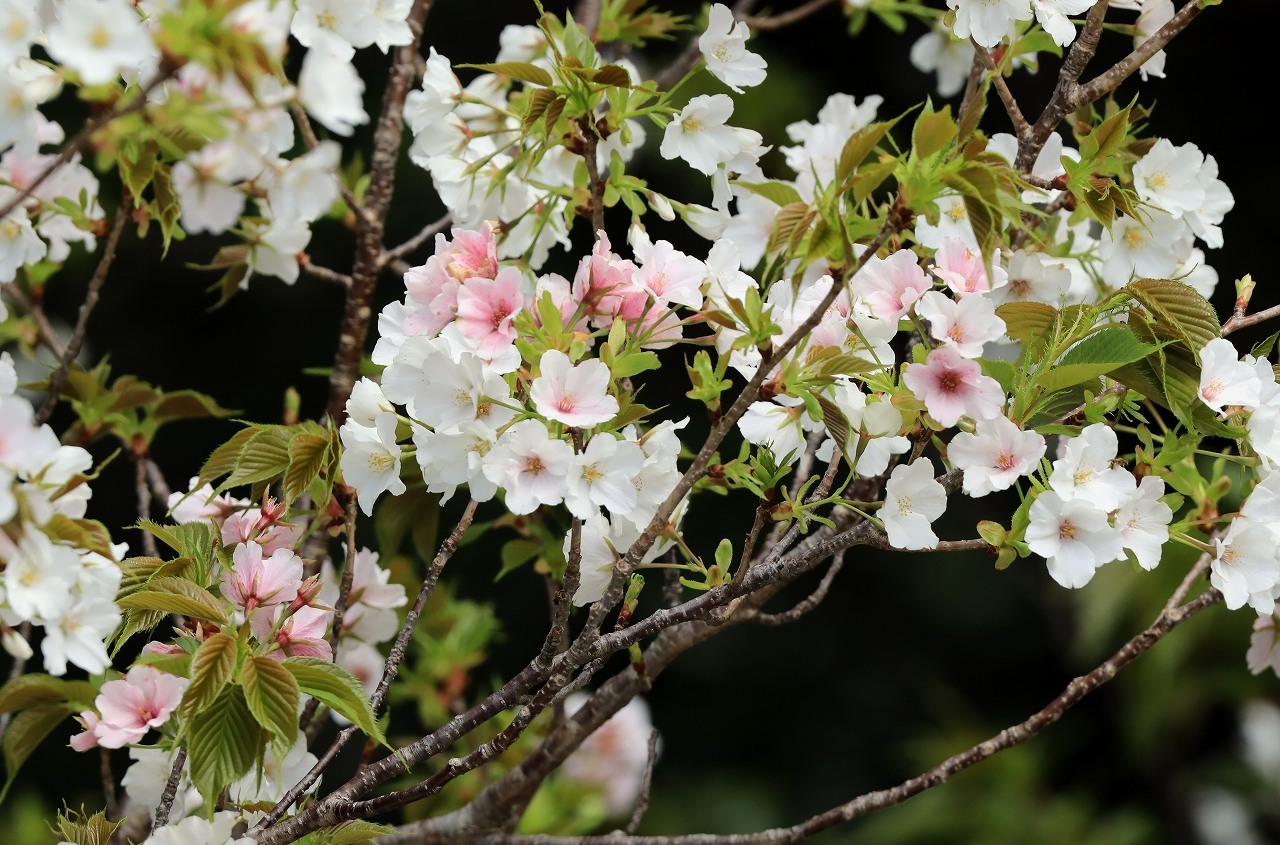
column 47, row 580
column 1094, row 511
column 477, row 417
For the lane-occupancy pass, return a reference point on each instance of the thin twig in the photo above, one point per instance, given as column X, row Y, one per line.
column 108, row 784
column 1193, row 574
column 309, row 139
column 642, row 802
column 155, row 477
column 142, row 490
column 595, row 185
column 161, row 815
column 348, row 573
column 318, row 271
column 48, row 336
column 429, row 231
column 371, row 220
column 59, row 377
column 865, row 804
column 1235, row 323
column 1021, row 127
column 784, row 19
column 807, row 604
column 1107, row 81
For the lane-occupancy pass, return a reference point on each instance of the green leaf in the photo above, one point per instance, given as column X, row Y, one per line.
column 272, row 696
column 778, row 193
column 175, row 595
column 211, row 667
column 85, row 533
column 265, row 456
column 25, row 733
column 933, row 131
column 30, row 690
column 1026, row 321
column 186, row 404
column 523, row 71
column 1002, row 371
column 1098, row 354
column 336, row 687
column 308, row 455
column 1177, row 311
column 224, row 742
column 515, row 554
column 223, row 459
column 859, row 146
column 354, row 833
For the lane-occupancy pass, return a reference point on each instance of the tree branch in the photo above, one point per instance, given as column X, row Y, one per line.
column 784, row 19
column 59, row 377
column 1107, row 81
column 371, row 221
column 161, row 815
column 863, row 805
column 429, row 231
column 1021, row 128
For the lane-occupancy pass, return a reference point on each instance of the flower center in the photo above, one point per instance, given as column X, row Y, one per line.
column 1067, row 530
column 692, row 125
column 100, row 37
column 380, row 461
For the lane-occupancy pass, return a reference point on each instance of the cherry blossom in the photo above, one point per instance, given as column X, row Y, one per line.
column 1144, row 520
column 99, row 39
column 252, row 582
column 1073, row 536
column 724, row 47
column 988, row 21
column 965, row 326
column 574, row 394
column 888, row 286
column 1085, row 472
column 1225, row 379
column 995, row 455
column 531, row 466
column 913, row 499
column 130, row 707
column 301, row 634
column 601, row 477
column 962, row 269
column 699, row 134
column 371, row 459
column 952, row 387
column 487, row 309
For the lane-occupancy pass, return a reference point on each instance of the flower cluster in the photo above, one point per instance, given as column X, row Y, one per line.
column 1093, row 512
column 46, row 579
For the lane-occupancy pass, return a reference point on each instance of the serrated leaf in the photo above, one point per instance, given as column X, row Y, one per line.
column 536, row 107
column 85, row 533
column 1098, row 354
column 859, row 146
column 354, row 833
column 224, row 742
column 186, row 404
column 1002, row 371
column 1177, row 311
column 174, row 595
column 523, row 71
column 308, row 455
column 778, row 193
column 223, row 459
column 265, row 457
column 36, row 688
column 1026, row 321
column 272, row 696
column 211, row 667
column 336, row 687
column 612, row 75
column 933, row 131
column 25, row 733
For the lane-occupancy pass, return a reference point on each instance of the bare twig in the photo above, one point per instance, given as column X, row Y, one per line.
column 595, row 185
column 1107, row 81
column 642, row 802
column 155, row 477
column 1021, row 127
column 309, row 138
column 318, row 271
column 371, row 223
column 807, row 604
column 142, row 490
column 784, row 19
column 865, row 804
column 59, row 377
column 112, row 803
column 1237, row 322
column 429, row 231
column 161, row 815
column 48, row 336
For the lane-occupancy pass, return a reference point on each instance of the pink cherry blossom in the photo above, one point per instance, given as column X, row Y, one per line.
column 669, row 275
column 253, row 582
column 576, row 395
column 603, row 283
column 952, row 387
column 962, row 270
column 436, row 292
column 300, row 635
column 888, row 286
column 470, row 254
column 487, row 309
column 264, row 529
column 130, row 707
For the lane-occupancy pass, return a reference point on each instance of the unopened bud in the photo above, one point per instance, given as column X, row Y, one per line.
column 15, row 643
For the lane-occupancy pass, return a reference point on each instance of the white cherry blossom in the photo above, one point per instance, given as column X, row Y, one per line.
column 1073, row 536
column 724, row 47
column 913, row 499
column 371, row 459
column 995, row 455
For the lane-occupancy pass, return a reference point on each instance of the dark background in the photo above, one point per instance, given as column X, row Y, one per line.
column 911, row 658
